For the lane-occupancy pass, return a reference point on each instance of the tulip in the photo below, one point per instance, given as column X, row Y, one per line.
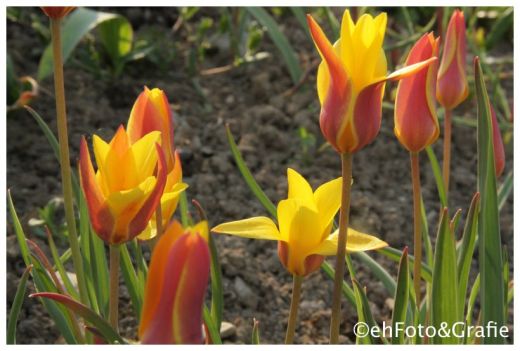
column 151, row 112
column 415, row 116
column 304, row 225
column 57, row 12
column 452, row 85
column 498, row 145
column 175, row 287
column 124, row 192
column 351, row 81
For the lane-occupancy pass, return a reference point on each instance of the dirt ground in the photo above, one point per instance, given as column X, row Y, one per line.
column 264, row 119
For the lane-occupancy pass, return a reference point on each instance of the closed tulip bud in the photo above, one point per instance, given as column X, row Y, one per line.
column 175, row 287
column 124, row 191
column 498, row 144
column 452, row 85
column 56, row 12
column 151, row 112
column 351, row 81
column 415, row 116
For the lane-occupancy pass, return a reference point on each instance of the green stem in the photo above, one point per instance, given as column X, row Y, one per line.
column 59, row 88
column 447, row 151
column 293, row 313
column 417, row 238
column 114, row 286
column 346, row 172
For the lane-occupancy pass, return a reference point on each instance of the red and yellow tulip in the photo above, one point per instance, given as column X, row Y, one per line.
column 175, row 287
column 124, row 191
column 452, row 85
column 415, row 116
column 498, row 144
column 351, row 80
column 57, row 11
column 304, row 225
column 151, row 112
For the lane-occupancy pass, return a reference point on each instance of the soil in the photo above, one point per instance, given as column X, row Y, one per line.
column 264, row 119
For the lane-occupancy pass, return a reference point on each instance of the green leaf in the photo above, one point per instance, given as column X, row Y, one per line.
column 214, row 333
column 17, row 306
column 116, row 36
column 465, row 252
column 472, row 298
column 401, row 298
column 426, row 236
column 217, row 291
column 437, row 173
column 13, row 85
column 131, row 282
column 379, row 271
column 505, row 190
column 60, row 268
column 75, row 27
column 501, row 25
column 490, row 243
column 18, row 230
column 90, row 316
column 444, row 284
column 255, row 337
column 363, row 307
column 395, row 255
column 281, row 42
column 299, row 13
column 345, row 288
column 100, row 267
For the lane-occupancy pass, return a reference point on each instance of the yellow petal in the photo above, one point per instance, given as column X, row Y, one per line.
column 299, row 225
column 144, row 154
column 299, row 188
column 356, row 242
column 328, row 200
column 253, row 228
column 128, row 202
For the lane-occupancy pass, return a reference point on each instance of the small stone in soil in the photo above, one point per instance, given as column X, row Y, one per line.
column 245, row 294
column 227, row 330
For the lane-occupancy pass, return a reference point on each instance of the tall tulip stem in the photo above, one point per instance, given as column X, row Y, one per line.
column 447, row 150
column 61, row 114
column 293, row 312
column 417, row 239
column 114, row 286
column 346, row 172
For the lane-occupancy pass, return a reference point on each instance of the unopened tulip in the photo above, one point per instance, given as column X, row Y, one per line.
column 415, row 116
column 351, row 80
column 124, row 192
column 151, row 112
column 304, row 225
column 175, row 287
column 498, row 144
column 452, row 85
column 56, row 12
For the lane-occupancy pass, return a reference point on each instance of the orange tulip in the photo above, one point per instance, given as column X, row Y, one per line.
column 452, row 85
column 498, row 145
column 57, row 11
column 124, row 192
column 151, row 112
column 175, row 287
column 351, row 80
column 415, row 116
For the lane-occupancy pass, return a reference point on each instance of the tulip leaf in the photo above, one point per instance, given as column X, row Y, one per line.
column 255, row 336
column 363, row 307
column 378, row 270
column 217, row 291
column 444, row 306
column 214, row 333
column 505, row 190
column 280, row 40
column 465, row 252
column 90, row 316
column 116, row 36
column 472, row 298
column 437, row 173
column 426, row 236
column 401, row 299
column 490, row 251
column 75, row 27
column 17, row 306
column 395, row 255
column 130, row 278
column 60, row 268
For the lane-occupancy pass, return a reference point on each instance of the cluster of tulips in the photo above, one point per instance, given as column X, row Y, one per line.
column 134, row 190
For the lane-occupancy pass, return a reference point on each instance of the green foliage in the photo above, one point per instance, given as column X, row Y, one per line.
column 16, row 307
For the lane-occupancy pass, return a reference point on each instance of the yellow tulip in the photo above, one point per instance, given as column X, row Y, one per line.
column 304, row 225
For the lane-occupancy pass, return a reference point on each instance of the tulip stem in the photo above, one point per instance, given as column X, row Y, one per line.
column 447, row 150
column 417, row 239
column 114, row 286
column 293, row 312
column 61, row 114
column 346, row 172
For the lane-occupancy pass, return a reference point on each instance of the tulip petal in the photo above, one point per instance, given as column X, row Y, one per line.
column 145, row 159
column 328, row 201
column 356, row 242
column 409, row 70
column 299, row 187
column 261, row 228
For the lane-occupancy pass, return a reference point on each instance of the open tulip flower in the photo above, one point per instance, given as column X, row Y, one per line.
column 351, row 80
column 415, row 116
column 452, row 85
column 304, row 224
column 177, row 279
column 124, row 192
column 151, row 112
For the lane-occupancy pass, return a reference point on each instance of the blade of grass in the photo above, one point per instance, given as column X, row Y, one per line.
column 17, row 306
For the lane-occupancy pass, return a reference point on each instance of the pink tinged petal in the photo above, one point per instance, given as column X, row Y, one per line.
column 140, row 221
column 498, row 145
column 100, row 215
column 178, row 316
